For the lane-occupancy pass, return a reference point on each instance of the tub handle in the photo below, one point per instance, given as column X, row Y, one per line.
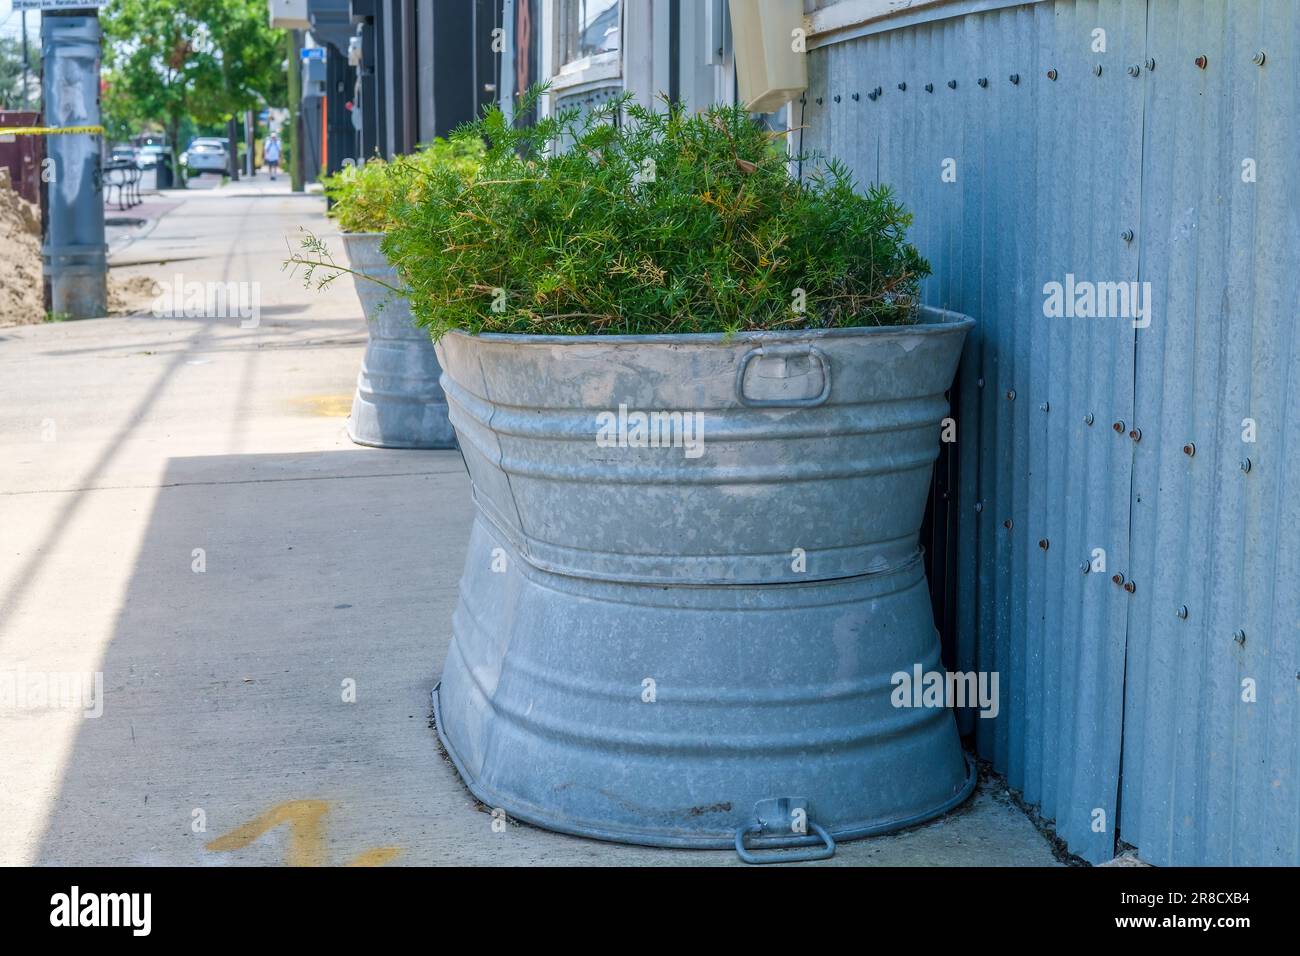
column 816, row 355
column 771, row 818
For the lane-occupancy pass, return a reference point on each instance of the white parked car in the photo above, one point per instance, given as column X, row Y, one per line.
column 207, row 155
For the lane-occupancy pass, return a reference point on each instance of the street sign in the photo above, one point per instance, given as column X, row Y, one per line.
column 56, row 4
column 313, row 53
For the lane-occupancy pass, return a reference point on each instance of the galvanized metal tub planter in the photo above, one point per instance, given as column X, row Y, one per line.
column 399, row 401
column 678, row 645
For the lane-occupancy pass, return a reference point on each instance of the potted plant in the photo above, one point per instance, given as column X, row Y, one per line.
column 699, row 403
column 398, row 401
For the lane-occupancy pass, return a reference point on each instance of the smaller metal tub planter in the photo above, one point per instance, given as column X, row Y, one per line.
column 680, row 643
column 398, row 402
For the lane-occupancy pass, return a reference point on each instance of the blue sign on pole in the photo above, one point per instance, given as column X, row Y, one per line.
column 313, row 53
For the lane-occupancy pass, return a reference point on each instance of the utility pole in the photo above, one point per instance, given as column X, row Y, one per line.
column 295, row 108
column 23, row 19
column 74, row 252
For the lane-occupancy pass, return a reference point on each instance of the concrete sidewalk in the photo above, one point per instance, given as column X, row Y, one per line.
column 181, row 511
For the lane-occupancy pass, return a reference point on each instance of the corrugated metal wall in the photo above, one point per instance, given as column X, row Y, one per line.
column 1117, row 712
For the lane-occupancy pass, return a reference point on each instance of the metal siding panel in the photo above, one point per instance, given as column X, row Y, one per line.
column 1210, row 778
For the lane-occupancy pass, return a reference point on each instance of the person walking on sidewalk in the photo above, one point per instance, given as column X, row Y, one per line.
column 272, row 154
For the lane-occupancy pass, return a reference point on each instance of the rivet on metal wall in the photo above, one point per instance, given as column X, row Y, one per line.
column 979, row 506
column 1245, row 465
column 1135, row 434
column 1089, row 419
column 872, row 96
column 902, row 87
column 1085, row 566
column 1096, row 69
column 837, row 97
column 1127, row 235
column 1239, row 636
column 1130, row 587
column 1189, row 449
column 952, row 84
column 1150, row 64
column 1258, row 58
column 1045, row 407
column 929, row 87
column 1119, row 427
column 1044, row 543
column 1007, row 524
column 1015, row 79
column 1134, row 70
column 880, row 91
column 1011, row 395
column 1117, row 578
column 819, row 101
column 857, row 97
column 1051, row 74
column 983, row 81
column 979, row 383
column 1202, row 62
column 1181, row 613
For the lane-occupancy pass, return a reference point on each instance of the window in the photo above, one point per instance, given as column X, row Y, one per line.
column 589, row 32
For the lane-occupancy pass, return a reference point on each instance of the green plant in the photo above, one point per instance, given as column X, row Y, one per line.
column 366, row 197
column 631, row 220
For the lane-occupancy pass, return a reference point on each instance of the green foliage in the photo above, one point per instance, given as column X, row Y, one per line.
column 167, row 61
column 12, row 94
column 638, row 221
column 366, row 197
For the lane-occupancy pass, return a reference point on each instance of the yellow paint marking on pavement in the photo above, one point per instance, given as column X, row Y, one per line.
column 376, row 857
column 329, row 406
column 306, row 846
column 306, row 820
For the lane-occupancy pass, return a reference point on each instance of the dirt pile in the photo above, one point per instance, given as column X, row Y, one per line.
column 20, row 253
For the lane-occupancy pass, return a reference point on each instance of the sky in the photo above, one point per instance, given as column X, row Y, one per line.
column 11, row 21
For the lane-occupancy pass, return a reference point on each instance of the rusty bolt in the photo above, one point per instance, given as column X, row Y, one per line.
column 1051, row 74
column 1258, row 58
column 1117, row 578
column 1202, row 62
column 1240, row 637
column 1044, row 543
column 1119, row 428
column 1181, row 613
column 1189, row 449
column 1130, row 587
column 1135, row 434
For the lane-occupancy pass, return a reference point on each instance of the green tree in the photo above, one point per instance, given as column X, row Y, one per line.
column 11, row 71
column 205, row 60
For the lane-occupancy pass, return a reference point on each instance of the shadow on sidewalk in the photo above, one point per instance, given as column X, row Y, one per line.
column 268, row 588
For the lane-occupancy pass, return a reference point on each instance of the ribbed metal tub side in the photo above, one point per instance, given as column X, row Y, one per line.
column 399, row 401
column 648, row 644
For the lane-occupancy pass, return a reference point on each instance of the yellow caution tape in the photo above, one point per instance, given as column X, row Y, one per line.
column 49, row 130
